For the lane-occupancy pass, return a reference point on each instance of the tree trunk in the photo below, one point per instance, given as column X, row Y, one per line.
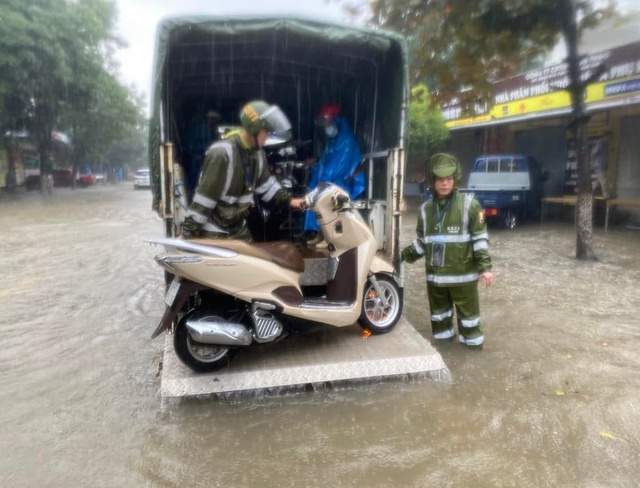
column 580, row 119
column 584, row 206
column 11, row 178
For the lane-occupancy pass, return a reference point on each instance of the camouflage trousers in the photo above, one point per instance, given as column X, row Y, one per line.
column 443, row 300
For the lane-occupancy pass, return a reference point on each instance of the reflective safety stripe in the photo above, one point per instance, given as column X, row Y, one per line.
column 228, row 147
column 445, row 334
column 477, row 237
column 229, row 200
column 204, row 201
column 418, row 247
column 211, row 227
column 247, row 198
column 198, row 217
column 261, row 156
column 468, row 199
column 423, row 212
column 477, row 246
column 476, row 341
column 439, row 317
column 452, row 279
column 266, row 185
column 468, row 323
column 448, row 238
column 273, row 189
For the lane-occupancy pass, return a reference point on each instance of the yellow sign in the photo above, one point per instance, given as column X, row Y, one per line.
column 468, row 121
column 595, row 94
column 540, row 103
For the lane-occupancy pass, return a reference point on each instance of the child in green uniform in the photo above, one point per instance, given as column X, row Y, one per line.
column 452, row 237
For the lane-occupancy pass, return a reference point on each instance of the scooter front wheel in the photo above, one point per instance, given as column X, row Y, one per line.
column 377, row 316
column 202, row 358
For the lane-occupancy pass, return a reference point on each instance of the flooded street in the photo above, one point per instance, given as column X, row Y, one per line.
column 553, row 400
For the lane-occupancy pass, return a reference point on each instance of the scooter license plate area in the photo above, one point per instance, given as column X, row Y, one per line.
column 172, row 292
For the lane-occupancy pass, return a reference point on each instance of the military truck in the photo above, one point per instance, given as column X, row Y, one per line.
column 206, row 65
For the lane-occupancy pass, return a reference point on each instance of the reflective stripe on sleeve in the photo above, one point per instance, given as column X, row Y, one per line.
column 204, row 201
column 273, row 189
column 417, row 246
column 198, row 217
column 229, row 200
column 211, row 227
column 266, row 185
column 478, row 246
column 248, row 198
column 477, row 237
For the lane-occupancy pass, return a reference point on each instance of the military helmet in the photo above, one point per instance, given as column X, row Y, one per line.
column 258, row 115
column 443, row 165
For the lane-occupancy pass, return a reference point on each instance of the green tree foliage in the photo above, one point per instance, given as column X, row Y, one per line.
column 460, row 47
column 56, row 73
column 427, row 130
column 463, row 46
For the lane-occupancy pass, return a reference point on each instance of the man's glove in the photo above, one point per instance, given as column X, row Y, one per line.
column 408, row 255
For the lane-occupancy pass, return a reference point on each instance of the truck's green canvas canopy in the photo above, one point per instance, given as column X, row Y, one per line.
column 220, row 63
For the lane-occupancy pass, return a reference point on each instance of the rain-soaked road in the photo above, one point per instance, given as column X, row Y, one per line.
column 552, row 401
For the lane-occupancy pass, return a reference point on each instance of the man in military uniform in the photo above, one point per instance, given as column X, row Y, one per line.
column 452, row 237
column 235, row 176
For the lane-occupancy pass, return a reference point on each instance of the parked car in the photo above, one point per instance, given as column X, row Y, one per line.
column 86, row 180
column 63, row 177
column 142, row 179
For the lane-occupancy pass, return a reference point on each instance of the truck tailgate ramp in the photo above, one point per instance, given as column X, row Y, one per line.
column 322, row 357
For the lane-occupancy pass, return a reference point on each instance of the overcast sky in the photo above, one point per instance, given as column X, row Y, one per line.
column 138, row 19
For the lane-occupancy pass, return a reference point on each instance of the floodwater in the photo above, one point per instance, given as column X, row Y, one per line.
column 552, row 401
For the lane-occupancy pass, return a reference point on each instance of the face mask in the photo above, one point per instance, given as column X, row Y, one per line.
column 331, row 131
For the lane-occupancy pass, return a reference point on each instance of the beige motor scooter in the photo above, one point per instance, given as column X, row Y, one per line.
column 229, row 294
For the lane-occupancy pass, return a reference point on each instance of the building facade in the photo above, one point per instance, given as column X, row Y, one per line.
column 530, row 114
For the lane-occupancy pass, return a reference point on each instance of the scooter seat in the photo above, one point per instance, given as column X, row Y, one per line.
column 282, row 253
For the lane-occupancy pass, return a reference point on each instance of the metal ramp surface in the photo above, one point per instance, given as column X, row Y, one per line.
column 325, row 356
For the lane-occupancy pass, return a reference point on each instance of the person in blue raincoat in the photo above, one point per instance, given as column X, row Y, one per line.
column 337, row 164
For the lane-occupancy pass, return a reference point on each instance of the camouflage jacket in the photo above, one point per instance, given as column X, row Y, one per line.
column 231, row 176
column 463, row 233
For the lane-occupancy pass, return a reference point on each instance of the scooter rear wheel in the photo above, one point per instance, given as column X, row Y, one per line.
column 202, row 358
column 377, row 318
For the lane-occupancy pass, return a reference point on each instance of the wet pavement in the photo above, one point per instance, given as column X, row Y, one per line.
column 552, row 400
